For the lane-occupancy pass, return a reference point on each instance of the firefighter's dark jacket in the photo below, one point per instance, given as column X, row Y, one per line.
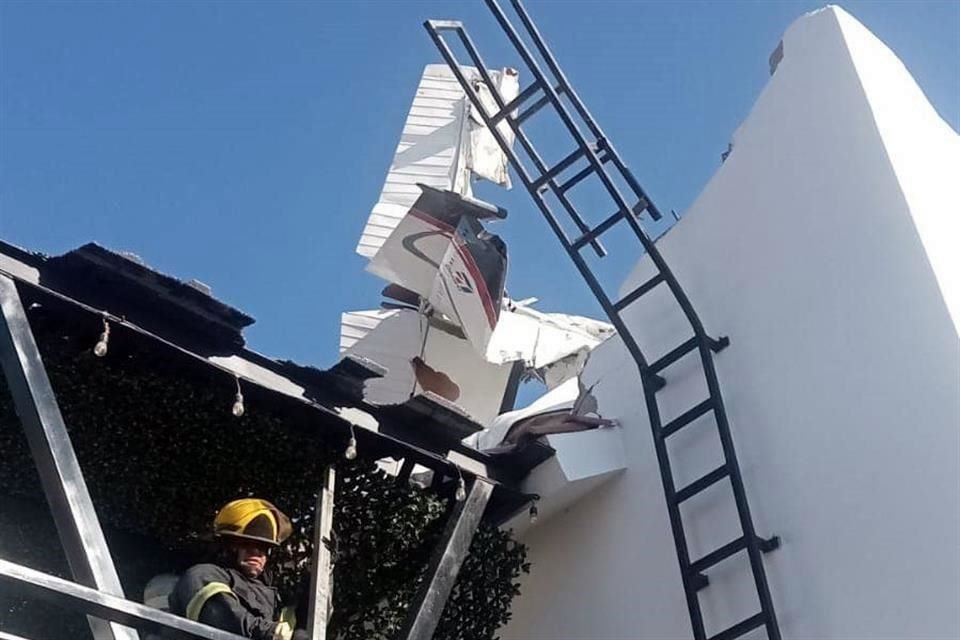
column 228, row 600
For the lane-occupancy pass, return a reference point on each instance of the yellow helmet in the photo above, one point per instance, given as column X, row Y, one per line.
column 253, row 519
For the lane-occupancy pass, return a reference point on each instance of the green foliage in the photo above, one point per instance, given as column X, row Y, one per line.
column 161, row 453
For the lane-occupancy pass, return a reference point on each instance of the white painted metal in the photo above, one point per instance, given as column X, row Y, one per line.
column 544, row 339
column 484, row 156
column 561, row 398
column 355, row 325
column 401, row 335
column 428, row 152
column 433, row 150
column 583, row 460
column 541, row 340
column 461, row 295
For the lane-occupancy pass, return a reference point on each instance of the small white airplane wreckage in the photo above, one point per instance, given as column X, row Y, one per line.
column 446, row 329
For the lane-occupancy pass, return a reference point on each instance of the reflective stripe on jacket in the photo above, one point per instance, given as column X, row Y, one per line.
column 228, row 600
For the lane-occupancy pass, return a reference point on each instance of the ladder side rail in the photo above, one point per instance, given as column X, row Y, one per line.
column 631, row 180
column 650, row 390
column 518, row 132
column 579, row 105
column 468, row 90
column 614, row 192
column 467, row 87
column 595, row 286
column 548, row 57
column 561, row 110
column 571, row 125
column 673, row 509
column 740, row 495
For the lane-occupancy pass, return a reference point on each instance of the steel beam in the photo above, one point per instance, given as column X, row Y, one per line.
column 321, row 580
column 70, row 595
column 52, row 452
column 452, row 549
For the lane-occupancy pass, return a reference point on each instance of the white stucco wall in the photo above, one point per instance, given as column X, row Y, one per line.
column 842, row 382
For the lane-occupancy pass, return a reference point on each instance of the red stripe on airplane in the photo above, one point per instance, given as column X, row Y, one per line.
column 423, row 216
column 471, row 265
column 467, row 259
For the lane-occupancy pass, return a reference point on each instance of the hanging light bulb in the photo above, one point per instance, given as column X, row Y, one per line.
column 238, row 409
column 100, row 349
column 350, row 453
column 461, row 493
column 534, row 513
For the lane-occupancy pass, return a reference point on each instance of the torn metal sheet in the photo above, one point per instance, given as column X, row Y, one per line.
column 554, row 345
column 588, row 445
column 484, row 156
column 438, row 146
column 559, row 371
column 561, row 399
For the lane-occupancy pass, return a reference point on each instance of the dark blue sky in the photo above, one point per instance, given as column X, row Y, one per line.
column 243, row 143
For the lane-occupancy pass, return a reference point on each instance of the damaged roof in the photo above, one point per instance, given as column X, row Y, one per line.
column 170, row 314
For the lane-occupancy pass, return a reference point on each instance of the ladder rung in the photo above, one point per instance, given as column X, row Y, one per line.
column 604, row 157
column 446, row 25
column 675, row 355
column 721, row 554
column 697, row 486
column 742, row 628
column 686, row 418
column 558, row 168
column 536, row 106
column 628, row 176
column 512, row 106
column 639, row 291
column 594, row 233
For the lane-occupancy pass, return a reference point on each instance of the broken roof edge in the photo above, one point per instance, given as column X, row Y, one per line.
column 274, row 377
column 124, row 283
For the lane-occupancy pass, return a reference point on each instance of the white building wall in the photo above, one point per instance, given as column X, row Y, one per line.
column 842, row 382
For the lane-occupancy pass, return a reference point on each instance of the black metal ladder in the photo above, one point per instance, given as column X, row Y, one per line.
column 595, row 156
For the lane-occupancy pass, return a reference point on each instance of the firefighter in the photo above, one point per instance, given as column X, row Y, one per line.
column 232, row 594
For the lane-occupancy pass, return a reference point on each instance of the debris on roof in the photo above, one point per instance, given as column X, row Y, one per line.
column 553, row 346
column 124, row 284
column 159, row 315
column 409, row 345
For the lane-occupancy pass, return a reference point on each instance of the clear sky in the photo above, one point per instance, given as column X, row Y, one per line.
column 243, row 143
